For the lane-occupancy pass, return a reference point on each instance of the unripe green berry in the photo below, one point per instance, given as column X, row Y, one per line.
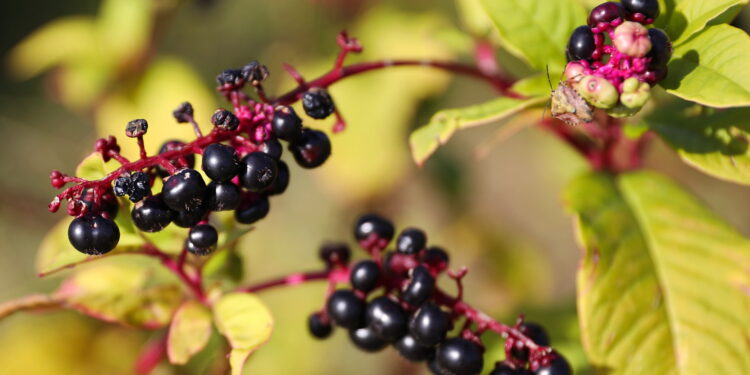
column 597, row 91
column 631, row 38
column 635, row 93
column 620, row 111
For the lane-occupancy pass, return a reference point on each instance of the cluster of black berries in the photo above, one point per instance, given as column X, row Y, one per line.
column 411, row 313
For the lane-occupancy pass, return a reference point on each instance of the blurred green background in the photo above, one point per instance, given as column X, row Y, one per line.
column 494, row 205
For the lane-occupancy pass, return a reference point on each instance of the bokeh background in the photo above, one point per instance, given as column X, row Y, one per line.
column 75, row 70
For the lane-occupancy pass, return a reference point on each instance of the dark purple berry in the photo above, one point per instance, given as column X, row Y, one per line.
column 410, row 349
column 311, row 149
column 186, row 162
column 272, row 148
column 252, row 209
column 436, row 259
column 365, row 275
column 225, row 120
column 460, row 357
column 649, row 8
column 151, row 215
column 558, row 366
column 203, row 236
column 661, row 48
column 286, row 124
column 192, row 249
column 136, row 185
column 656, row 75
column 317, row 103
column 434, row 367
column 373, row 225
column 183, row 113
column 257, row 171
column 254, row 72
column 536, row 333
column 107, row 206
column 122, row 185
column 366, row 339
column 230, row 77
column 335, row 253
column 410, row 241
column 429, row 324
column 420, row 287
column 223, row 196
column 581, row 44
column 345, row 309
column 386, row 318
column 282, row 179
column 93, row 235
column 605, row 12
column 220, row 162
column 185, row 190
column 318, row 327
column 190, row 218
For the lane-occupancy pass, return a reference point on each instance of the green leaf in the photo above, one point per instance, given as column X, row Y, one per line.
column 683, row 18
column 711, row 68
column 536, row 31
column 662, row 287
column 189, row 332
column 246, row 323
column 91, row 167
column 425, row 140
column 715, row 143
column 135, row 292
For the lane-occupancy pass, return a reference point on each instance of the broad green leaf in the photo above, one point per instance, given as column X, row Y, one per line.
column 189, row 332
column 91, row 167
column 711, row 68
column 425, row 140
column 661, row 288
column 128, row 291
column 246, row 323
column 536, row 31
column 683, row 18
column 474, row 18
column 715, row 143
column 124, row 29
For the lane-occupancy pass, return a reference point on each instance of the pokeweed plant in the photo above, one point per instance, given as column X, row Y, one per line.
column 663, row 283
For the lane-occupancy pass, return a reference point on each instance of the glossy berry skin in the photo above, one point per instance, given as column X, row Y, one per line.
column 436, row 259
column 365, row 275
column 220, row 162
column 661, row 48
column 505, row 369
column 317, row 103
column 311, row 149
column 386, row 318
column 318, row 328
column 335, row 253
column 257, row 171
column 272, row 147
column 189, row 218
column 185, row 190
column 345, row 309
column 188, row 162
column 373, row 224
column 434, row 367
column 252, row 210
column 649, row 8
column 605, row 12
column 460, row 357
column 286, row 124
column 366, row 339
column 581, row 44
column 558, row 366
column 93, row 235
column 420, row 287
column 151, row 215
column 192, row 249
column 536, row 333
column 410, row 349
column 410, row 241
column 223, row 196
column 282, row 179
column 429, row 324
column 203, row 236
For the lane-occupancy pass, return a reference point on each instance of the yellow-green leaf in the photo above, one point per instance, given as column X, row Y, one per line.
column 683, row 18
column 711, row 68
column 662, row 285
column 246, row 322
column 189, row 332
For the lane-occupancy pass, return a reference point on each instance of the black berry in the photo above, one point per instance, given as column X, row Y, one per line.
column 107, row 206
column 257, row 171
column 272, row 148
column 373, row 225
column 420, row 287
column 410, row 241
column 311, row 149
column 346, row 310
column 365, row 275
column 136, row 185
column 186, row 162
column 225, row 120
column 335, row 253
column 254, row 72
column 436, row 259
column 366, row 339
column 317, row 103
column 661, row 48
column 185, row 190
column 230, row 77
column 252, row 209
column 318, row 327
column 536, row 333
column 410, row 349
column 286, row 124
column 220, row 162
column 386, row 318
column 151, row 215
column 460, row 357
column 183, row 113
column 558, row 366
column 203, row 236
column 581, row 44
column 605, row 12
column 93, row 235
column 282, row 179
column 429, row 324
column 189, row 218
column 649, row 8
column 223, row 196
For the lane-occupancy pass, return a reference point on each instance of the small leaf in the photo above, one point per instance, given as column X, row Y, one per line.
column 536, row 31
column 425, row 140
column 711, row 68
column 683, row 18
column 189, row 332
column 246, row 323
column 91, row 167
